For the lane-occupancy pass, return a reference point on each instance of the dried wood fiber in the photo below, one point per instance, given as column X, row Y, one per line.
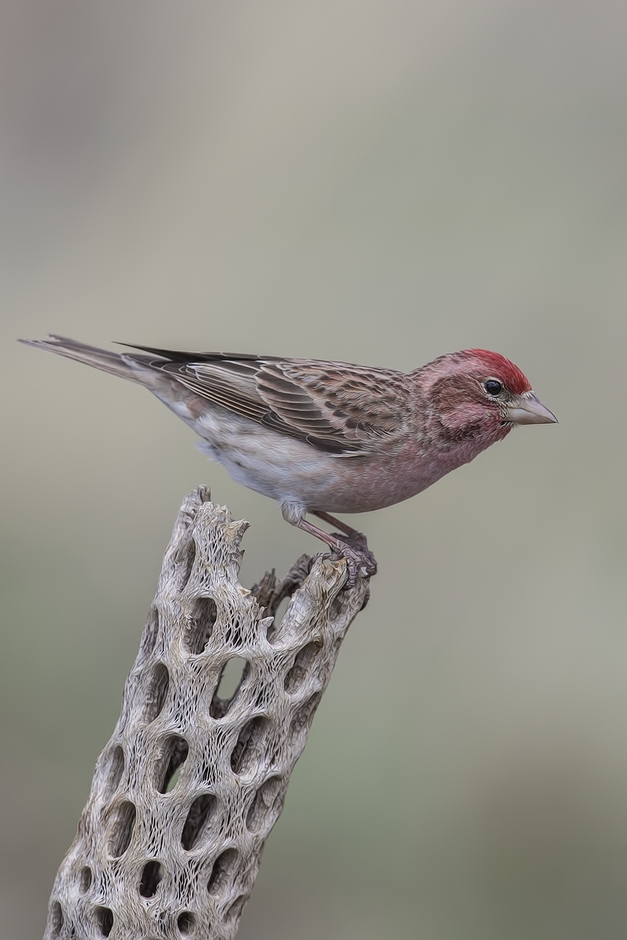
column 191, row 782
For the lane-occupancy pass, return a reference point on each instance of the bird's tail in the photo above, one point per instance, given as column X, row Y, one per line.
column 114, row 363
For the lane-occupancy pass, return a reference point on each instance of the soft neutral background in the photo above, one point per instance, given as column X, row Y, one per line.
column 371, row 180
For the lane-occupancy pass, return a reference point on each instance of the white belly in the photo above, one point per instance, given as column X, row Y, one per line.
column 291, row 471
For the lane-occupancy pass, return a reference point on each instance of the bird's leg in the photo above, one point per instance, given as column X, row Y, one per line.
column 358, row 556
column 330, row 540
column 357, row 540
column 342, row 526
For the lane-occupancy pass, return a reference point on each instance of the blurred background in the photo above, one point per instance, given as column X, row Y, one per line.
column 379, row 181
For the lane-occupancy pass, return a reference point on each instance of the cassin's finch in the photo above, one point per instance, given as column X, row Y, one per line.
column 326, row 437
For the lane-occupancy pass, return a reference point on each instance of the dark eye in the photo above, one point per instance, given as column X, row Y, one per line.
column 493, row 387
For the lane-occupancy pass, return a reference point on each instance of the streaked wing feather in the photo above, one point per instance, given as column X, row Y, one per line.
column 337, row 407
column 234, row 389
column 336, row 402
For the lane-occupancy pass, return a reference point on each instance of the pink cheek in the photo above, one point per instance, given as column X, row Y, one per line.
column 468, row 415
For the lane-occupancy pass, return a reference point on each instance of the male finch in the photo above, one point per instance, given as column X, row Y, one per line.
column 324, row 437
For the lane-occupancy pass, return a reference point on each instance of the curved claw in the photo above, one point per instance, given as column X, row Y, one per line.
column 352, row 545
column 355, row 550
column 359, row 564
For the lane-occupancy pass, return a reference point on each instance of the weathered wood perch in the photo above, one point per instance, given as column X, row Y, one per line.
column 190, row 784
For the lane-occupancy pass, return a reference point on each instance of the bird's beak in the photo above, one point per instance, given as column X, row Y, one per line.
column 528, row 409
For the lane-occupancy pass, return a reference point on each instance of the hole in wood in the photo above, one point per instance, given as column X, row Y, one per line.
column 186, row 922
column 104, row 920
column 232, row 677
column 303, row 715
column 116, row 769
column 278, row 617
column 248, row 746
column 150, row 634
column 274, row 596
column 174, row 779
column 152, row 874
column 85, row 879
column 174, row 755
column 201, row 623
column 302, row 664
column 56, row 918
column 156, row 691
column 197, row 820
column 235, row 909
column 122, row 828
column 222, row 871
column 266, row 805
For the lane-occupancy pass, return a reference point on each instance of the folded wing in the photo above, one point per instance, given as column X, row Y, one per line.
column 338, row 407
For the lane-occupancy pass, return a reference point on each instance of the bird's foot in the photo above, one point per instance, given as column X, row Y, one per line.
column 360, row 561
column 349, row 544
column 357, row 553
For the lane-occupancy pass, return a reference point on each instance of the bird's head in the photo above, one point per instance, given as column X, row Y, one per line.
column 478, row 395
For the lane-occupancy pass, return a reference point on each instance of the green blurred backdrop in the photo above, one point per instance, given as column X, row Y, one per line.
column 379, row 181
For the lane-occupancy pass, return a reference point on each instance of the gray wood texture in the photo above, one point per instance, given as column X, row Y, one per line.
column 194, row 777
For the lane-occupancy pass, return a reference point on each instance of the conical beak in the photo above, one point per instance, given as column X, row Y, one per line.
column 528, row 409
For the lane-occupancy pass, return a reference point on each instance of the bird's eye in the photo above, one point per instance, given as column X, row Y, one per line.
column 493, row 387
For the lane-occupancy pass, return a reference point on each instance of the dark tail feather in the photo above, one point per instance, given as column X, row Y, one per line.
column 91, row 355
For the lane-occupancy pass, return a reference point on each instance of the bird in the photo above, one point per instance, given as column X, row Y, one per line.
column 324, row 437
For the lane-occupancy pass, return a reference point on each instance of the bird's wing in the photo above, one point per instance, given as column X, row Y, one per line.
column 352, row 407
column 338, row 407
